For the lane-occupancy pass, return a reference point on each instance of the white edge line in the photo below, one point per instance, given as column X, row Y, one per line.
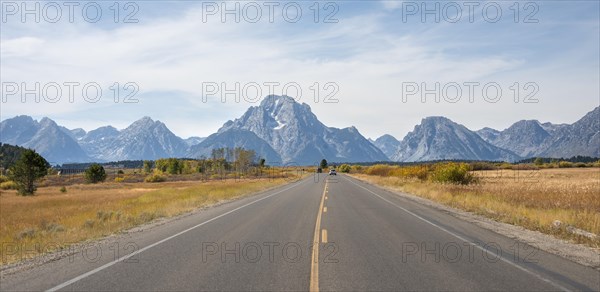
column 464, row 239
column 96, row 270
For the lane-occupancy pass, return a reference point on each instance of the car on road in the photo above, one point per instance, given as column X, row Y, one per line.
column 332, row 172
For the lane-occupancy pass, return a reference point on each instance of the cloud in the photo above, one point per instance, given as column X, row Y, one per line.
column 391, row 5
column 368, row 54
column 20, row 47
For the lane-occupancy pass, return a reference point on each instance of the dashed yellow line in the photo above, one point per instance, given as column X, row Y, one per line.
column 324, row 209
column 324, row 236
column 314, row 266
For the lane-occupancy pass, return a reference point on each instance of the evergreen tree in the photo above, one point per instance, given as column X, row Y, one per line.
column 28, row 169
column 95, row 173
column 323, row 163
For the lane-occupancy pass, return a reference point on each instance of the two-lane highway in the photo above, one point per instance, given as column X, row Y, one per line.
column 369, row 239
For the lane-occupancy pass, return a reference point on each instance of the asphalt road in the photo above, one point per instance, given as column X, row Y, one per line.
column 367, row 239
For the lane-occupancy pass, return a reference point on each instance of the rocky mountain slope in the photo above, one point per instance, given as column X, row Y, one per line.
column 296, row 134
column 45, row 136
column 438, row 138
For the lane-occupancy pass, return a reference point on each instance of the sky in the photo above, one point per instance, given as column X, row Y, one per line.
column 380, row 66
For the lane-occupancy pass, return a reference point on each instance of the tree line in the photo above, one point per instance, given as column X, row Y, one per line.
column 30, row 166
column 221, row 160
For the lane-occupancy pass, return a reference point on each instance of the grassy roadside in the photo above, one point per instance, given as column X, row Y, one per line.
column 52, row 219
column 534, row 200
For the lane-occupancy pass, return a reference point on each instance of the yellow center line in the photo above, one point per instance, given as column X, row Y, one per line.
column 324, row 209
column 314, row 265
column 324, row 236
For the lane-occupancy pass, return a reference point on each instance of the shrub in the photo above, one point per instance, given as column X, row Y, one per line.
column 3, row 179
column 580, row 164
column 538, row 161
column 148, row 216
column 565, row 164
column 220, row 176
column 95, row 173
column 345, row 168
column 51, row 227
column 54, row 228
column 120, row 172
column 543, row 166
column 89, row 223
column 525, row 167
column 454, row 173
column 8, row 185
column 119, row 179
column 155, row 178
column 63, row 189
column 148, row 166
column 379, row 169
column 420, row 172
column 27, row 233
column 104, row 216
column 483, row 166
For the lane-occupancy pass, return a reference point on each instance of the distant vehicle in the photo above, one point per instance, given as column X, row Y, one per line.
column 319, row 170
column 332, row 172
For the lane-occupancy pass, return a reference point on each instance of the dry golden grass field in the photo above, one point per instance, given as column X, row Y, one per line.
column 533, row 199
column 56, row 219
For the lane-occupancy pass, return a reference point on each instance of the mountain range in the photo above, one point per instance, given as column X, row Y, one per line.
column 530, row 138
column 284, row 131
column 438, row 138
